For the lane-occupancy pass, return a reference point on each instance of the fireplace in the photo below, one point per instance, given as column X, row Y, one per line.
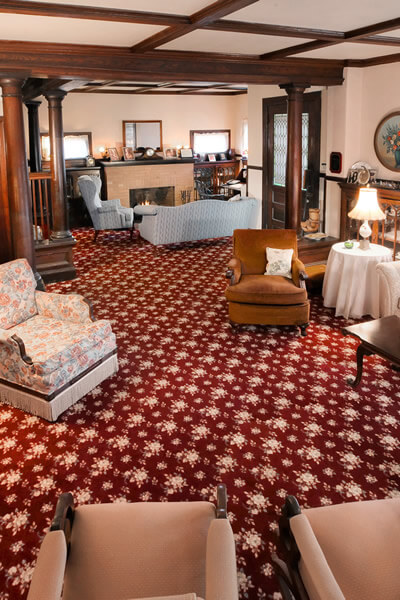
column 163, row 196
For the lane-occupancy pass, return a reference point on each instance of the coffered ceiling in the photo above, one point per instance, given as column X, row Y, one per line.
column 171, row 45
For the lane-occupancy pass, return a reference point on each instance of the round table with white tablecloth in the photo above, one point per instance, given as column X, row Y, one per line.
column 351, row 283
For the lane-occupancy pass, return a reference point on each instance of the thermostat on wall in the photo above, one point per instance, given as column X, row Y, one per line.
column 335, row 162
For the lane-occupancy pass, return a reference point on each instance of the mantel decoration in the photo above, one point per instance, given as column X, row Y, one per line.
column 387, row 141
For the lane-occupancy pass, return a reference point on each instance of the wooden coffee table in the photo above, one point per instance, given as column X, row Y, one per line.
column 381, row 337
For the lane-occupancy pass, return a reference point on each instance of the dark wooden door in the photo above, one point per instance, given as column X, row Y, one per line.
column 274, row 157
column 5, row 228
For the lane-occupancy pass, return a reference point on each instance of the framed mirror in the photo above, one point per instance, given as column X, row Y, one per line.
column 142, row 134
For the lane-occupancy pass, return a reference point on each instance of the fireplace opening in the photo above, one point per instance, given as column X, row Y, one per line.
column 163, row 196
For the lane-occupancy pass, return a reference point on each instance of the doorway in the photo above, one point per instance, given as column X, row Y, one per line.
column 274, row 158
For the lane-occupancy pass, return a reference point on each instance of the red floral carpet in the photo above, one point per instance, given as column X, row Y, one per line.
column 263, row 410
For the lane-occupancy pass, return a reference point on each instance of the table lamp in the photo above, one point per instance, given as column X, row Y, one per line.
column 366, row 209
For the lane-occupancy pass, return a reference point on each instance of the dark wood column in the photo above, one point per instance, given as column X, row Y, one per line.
column 19, row 195
column 294, row 154
column 58, row 180
column 35, row 154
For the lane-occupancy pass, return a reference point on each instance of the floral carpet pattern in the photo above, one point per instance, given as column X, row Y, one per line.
column 194, row 403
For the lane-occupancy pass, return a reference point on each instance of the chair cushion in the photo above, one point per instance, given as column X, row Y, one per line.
column 60, row 351
column 138, row 550
column 279, row 261
column 266, row 289
column 361, row 544
column 17, row 293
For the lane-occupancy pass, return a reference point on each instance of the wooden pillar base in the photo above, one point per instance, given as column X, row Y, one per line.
column 55, row 260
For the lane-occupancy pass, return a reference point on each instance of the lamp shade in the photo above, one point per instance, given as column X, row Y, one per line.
column 367, row 207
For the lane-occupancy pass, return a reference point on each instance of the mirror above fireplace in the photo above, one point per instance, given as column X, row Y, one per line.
column 142, row 134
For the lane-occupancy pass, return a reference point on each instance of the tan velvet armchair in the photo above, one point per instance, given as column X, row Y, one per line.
column 258, row 299
column 340, row 552
column 123, row 551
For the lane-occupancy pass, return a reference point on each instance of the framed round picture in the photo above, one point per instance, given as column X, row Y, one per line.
column 387, row 141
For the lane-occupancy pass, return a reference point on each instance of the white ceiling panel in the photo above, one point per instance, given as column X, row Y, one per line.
column 340, row 15
column 74, row 31
column 351, row 51
column 394, row 33
column 228, row 42
column 178, row 7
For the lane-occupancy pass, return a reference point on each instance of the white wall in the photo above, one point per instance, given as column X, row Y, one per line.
column 102, row 114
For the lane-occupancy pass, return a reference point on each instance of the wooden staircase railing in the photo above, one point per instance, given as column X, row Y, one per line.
column 41, row 206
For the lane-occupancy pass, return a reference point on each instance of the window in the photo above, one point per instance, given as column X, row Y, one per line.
column 76, row 145
column 206, row 141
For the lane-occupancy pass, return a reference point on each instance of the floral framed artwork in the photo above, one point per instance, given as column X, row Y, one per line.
column 387, row 141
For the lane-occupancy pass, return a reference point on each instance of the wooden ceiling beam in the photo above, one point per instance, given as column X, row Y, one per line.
column 96, row 13
column 35, row 87
column 73, row 61
column 273, row 30
column 353, row 35
column 300, row 48
column 90, row 88
column 210, row 13
column 296, row 32
column 161, row 92
column 374, row 29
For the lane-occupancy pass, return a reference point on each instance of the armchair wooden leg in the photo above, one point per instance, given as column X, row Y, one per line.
column 234, row 326
column 96, row 233
column 303, row 329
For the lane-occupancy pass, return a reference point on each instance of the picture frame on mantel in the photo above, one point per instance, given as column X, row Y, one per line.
column 387, row 141
column 186, row 153
column 113, row 154
column 170, row 153
column 128, row 153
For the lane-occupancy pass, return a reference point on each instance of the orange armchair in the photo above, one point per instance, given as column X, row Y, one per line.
column 258, row 299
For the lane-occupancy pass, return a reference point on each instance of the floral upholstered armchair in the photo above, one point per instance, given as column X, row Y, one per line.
column 52, row 353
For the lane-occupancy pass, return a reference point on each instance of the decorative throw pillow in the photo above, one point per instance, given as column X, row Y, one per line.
column 279, row 262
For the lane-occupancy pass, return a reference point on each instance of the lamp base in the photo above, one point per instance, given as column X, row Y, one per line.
column 364, row 244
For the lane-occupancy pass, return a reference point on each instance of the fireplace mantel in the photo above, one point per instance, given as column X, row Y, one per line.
column 120, row 177
column 146, row 161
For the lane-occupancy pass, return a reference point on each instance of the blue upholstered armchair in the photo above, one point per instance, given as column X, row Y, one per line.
column 105, row 215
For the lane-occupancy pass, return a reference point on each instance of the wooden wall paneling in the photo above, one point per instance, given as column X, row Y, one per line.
column 5, row 226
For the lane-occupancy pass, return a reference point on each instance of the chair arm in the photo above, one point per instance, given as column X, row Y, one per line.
column 48, row 576
column 14, row 347
column 389, row 277
column 64, row 307
column 234, row 271
column 111, row 203
column 313, row 565
column 221, row 570
column 106, row 209
column 299, row 274
column 145, row 210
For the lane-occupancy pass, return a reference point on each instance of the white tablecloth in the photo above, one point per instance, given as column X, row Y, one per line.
column 351, row 283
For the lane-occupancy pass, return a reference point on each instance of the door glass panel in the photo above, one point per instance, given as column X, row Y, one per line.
column 280, row 146
column 304, row 143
